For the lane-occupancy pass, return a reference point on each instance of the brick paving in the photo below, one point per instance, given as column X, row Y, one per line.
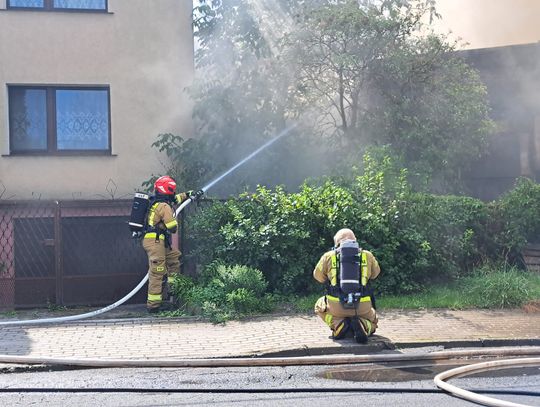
column 184, row 338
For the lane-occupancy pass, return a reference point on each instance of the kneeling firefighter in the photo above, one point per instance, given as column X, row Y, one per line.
column 348, row 305
column 157, row 228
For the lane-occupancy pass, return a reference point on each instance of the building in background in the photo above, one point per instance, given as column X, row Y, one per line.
column 500, row 39
column 489, row 23
column 87, row 87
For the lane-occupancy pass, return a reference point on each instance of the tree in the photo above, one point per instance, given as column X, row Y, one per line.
column 353, row 73
column 375, row 74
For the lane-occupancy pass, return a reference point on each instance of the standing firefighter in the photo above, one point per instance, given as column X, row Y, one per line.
column 347, row 306
column 163, row 260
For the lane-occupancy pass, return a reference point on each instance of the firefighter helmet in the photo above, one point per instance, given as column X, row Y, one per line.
column 165, row 185
column 343, row 234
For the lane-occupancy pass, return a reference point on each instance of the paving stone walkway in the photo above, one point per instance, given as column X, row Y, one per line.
column 186, row 338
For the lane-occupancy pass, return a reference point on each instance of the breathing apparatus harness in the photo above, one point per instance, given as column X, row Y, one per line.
column 350, row 284
column 138, row 221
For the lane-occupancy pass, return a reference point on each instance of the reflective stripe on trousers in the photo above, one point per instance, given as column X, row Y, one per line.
column 362, row 299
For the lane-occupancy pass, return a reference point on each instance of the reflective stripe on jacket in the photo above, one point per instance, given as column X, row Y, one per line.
column 160, row 219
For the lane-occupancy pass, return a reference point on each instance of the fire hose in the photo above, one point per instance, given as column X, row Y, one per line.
column 310, row 360
column 477, row 368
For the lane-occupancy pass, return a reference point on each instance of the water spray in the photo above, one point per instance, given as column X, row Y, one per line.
column 145, row 279
column 243, row 161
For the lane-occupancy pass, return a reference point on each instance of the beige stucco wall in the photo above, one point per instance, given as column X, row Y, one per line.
column 142, row 49
column 490, row 23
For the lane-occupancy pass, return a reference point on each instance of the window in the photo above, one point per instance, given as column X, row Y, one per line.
column 59, row 120
column 88, row 5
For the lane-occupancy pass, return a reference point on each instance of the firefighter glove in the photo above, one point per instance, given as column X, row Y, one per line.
column 181, row 197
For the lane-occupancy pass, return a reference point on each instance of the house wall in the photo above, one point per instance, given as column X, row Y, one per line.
column 142, row 50
column 490, row 23
column 512, row 76
column 500, row 38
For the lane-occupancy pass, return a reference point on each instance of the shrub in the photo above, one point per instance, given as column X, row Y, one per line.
column 224, row 292
column 517, row 217
column 418, row 238
column 504, row 287
column 281, row 234
column 450, row 230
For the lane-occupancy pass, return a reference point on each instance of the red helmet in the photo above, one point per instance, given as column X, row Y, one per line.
column 165, row 185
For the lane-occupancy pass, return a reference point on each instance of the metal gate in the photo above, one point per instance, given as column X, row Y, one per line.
column 67, row 253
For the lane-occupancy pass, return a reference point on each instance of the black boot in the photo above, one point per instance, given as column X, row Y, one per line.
column 165, row 306
column 342, row 329
column 360, row 335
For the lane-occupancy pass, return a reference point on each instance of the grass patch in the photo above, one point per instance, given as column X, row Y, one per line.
column 437, row 297
column 231, row 294
column 304, row 304
column 487, row 288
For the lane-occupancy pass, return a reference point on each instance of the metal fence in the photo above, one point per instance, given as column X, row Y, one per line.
column 67, row 253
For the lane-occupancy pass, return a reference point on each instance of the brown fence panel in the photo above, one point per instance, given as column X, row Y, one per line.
column 67, row 253
column 101, row 262
column 27, row 256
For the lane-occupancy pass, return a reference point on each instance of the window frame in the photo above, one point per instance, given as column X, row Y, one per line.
column 51, row 125
column 48, row 5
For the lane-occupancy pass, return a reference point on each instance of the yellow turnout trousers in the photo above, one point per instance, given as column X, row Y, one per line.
column 332, row 313
column 162, row 261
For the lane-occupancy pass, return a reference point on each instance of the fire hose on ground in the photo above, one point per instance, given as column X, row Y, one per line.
column 439, row 380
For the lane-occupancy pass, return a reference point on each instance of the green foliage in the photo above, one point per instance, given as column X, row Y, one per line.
column 186, row 161
column 519, row 216
column 418, row 238
column 355, row 74
column 53, row 307
column 372, row 82
column 225, row 292
column 305, row 304
column 240, row 91
column 278, row 233
column 182, row 287
column 447, row 296
column 505, row 288
column 443, row 233
column 487, row 287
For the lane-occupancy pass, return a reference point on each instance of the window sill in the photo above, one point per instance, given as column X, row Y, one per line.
column 40, row 10
column 71, row 154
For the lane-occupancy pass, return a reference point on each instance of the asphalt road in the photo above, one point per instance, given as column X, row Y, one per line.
column 409, row 377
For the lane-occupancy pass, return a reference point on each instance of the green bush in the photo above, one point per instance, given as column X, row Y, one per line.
column 517, row 217
column 224, row 292
column 418, row 238
column 281, row 234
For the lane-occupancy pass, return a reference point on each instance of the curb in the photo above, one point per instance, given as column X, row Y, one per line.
column 374, row 346
column 383, row 345
column 471, row 343
column 355, row 349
